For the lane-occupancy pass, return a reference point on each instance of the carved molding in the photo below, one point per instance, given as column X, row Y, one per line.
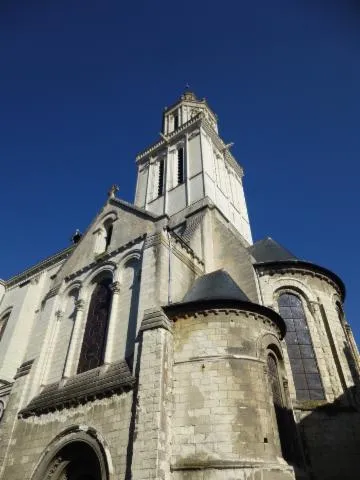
column 155, row 318
column 104, row 257
column 115, row 288
column 24, row 369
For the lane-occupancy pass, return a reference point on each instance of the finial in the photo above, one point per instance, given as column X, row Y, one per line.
column 76, row 237
column 187, row 86
column 112, row 192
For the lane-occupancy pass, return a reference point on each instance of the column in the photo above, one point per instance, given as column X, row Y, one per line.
column 49, row 357
column 115, row 287
column 78, row 323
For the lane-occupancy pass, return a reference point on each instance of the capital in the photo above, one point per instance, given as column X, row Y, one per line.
column 115, row 287
column 80, row 304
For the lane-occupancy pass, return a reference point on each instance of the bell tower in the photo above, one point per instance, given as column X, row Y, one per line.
column 191, row 162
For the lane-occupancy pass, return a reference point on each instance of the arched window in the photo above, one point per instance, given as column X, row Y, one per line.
column 303, row 363
column 284, row 416
column 3, row 323
column 94, row 341
column 108, row 226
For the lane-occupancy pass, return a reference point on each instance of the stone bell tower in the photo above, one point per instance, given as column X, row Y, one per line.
column 189, row 163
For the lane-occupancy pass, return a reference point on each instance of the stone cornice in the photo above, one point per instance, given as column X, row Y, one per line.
column 199, row 121
column 88, row 386
column 39, row 267
column 296, row 267
column 6, row 388
column 218, row 142
column 205, row 308
column 171, row 136
column 178, row 248
column 155, row 318
column 24, row 369
column 105, row 257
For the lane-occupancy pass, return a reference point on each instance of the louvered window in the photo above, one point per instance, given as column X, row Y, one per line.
column 161, row 178
column 180, row 160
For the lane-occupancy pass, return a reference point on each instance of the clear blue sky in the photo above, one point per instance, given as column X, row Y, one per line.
column 83, row 85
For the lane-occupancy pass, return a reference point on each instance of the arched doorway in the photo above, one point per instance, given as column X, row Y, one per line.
column 73, row 456
column 75, row 461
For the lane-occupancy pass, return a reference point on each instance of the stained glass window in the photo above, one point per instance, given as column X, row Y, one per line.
column 94, row 341
column 303, row 363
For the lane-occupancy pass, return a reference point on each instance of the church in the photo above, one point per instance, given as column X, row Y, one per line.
column 163, row 343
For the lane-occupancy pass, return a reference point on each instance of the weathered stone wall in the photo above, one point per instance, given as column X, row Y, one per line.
column 329, row 429
column 319, row 296
column 223, row 415
column 23, row 441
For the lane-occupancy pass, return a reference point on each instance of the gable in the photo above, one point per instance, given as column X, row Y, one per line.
column 127, row 224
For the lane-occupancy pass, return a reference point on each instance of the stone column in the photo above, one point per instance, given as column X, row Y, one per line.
column 70, row 358
column 51, row 348
column 151, row 453
column 115, row 287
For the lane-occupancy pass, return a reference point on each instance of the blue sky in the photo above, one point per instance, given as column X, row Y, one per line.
column 83, row 85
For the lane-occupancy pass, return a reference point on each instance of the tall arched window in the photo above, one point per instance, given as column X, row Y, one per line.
column 303, row 363
column 3, row 323
column 284, row 416
column 108, row 226
column 94, row 341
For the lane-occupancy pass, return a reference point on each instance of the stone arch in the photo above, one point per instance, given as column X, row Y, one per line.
column 78, row 453
column 295, row 287
column 106, row 269
column 129, row 275
column 266, row 342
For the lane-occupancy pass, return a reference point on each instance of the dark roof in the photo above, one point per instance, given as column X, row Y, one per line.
column 216, row 285
column 267, row 250
column 269, row 254
column 218, row 290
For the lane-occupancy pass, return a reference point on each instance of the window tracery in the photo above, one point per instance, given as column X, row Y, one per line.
column 300, row 349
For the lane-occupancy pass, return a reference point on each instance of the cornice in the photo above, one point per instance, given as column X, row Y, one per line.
column 219, row 143
column 42, row 265
column 94, row 384
column 105, row 257
column 200, row 121
column 204, row 308
column 303, row 268
column 171, row 136
column 5, row 389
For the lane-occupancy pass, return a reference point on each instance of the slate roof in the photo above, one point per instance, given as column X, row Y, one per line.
column 216, row 285
column 270, row 254
column 92, row 384
column 218, row 290
column 268, row 250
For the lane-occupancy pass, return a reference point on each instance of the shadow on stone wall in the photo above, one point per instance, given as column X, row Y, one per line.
column 331, row 436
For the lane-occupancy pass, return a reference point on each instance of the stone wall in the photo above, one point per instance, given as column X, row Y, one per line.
column 24, row 441
column 223, row 421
